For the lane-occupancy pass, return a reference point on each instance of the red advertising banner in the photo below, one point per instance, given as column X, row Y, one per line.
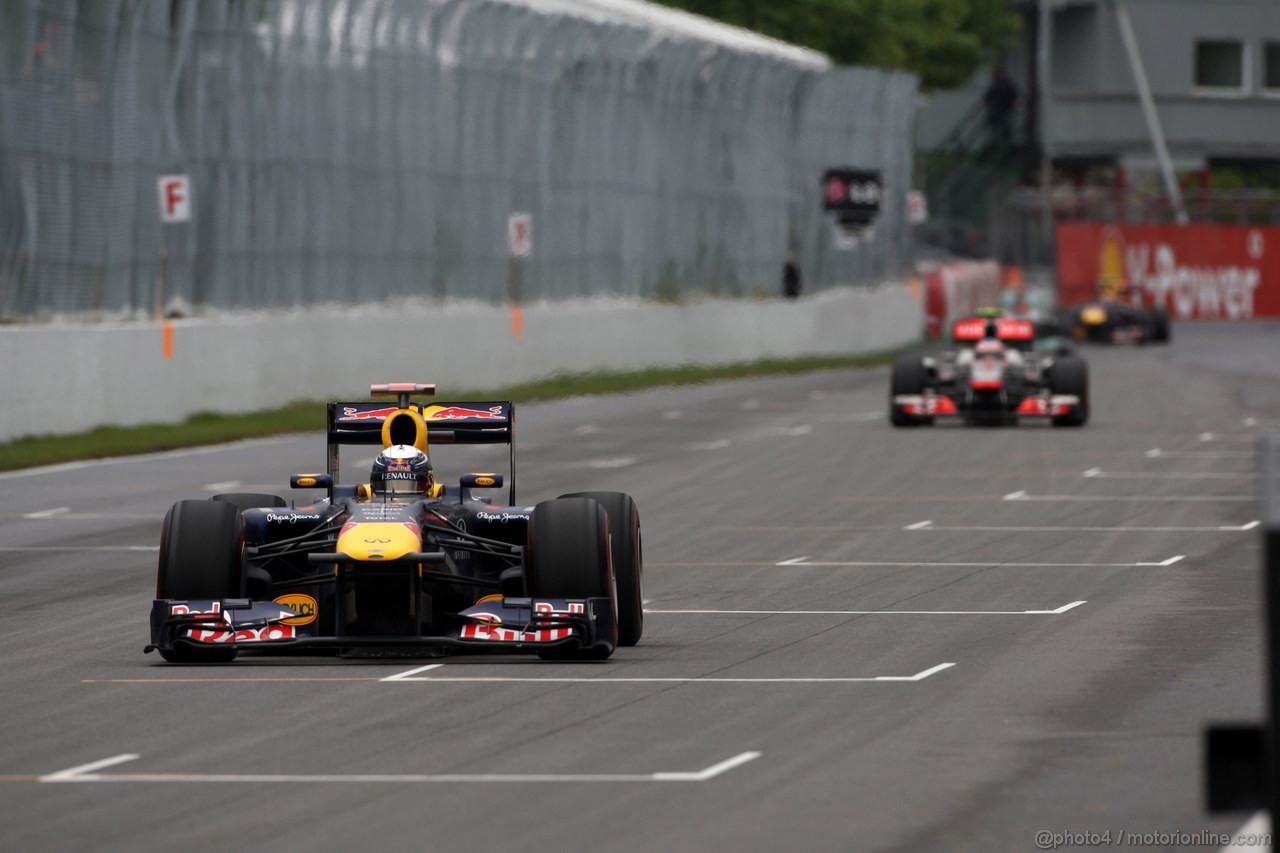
column 1197, row 272
column 954, row 290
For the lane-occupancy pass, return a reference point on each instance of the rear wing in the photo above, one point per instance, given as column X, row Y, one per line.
column 489, row 422
column 1011, row 330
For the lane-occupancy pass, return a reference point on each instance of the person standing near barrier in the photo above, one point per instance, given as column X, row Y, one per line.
column 791, row 283
column 1001, row 100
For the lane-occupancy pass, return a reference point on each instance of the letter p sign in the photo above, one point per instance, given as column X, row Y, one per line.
column 175, row 198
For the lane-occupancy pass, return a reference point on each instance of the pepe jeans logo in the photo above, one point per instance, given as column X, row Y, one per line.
column 501, row 516
column 292, row 517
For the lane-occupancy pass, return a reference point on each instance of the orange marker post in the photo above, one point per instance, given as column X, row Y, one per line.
column 517, row 322
column 167, row 335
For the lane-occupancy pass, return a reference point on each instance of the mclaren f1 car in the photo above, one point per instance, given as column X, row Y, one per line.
column 994, row 375
column 402, row 566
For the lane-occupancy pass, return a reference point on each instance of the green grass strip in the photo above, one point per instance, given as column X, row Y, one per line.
column 215, row 427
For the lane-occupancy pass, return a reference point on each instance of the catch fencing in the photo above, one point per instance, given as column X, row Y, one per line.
column 356, row 151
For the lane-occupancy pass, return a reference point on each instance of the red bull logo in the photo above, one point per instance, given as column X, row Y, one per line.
column 351, row 413
column 458, row 413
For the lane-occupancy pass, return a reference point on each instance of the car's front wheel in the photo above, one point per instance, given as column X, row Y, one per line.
column 1071, row 376
column 201, row 557
column 568, row 557
column 628, row 560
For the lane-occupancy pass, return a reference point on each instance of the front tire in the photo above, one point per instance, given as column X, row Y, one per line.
column 250, row 500
column 909, row 377
column 1071, row 376
column 568, row 557
column 1160, row 326
column 628, row 560
column 201, row 557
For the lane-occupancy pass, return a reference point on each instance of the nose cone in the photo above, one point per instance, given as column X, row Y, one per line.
column 375, row 541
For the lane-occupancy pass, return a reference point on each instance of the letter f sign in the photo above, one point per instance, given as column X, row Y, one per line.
column 175, row 198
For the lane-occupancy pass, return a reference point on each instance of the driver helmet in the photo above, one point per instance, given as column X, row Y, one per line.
column 989, row 347
column 401, row 469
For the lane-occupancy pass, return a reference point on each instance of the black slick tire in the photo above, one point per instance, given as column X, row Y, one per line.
column 250, row 500
column 1071, row 376
column 908, row 377
column 1160, row 326
column 568, row 557
column 628, row 560
column 201, row 557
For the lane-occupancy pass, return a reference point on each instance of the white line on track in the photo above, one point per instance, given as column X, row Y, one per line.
column 85, row 773
column 221, row 487
column 608, row 463
column 1221, row 528
column 36, row 549
column 47, row 513
column 1160, row 453
column 72, row 774
column 989, row 564
column 790, row 432
column 1063, row 609
column 403, row 676
column 1023, row 496
column 794, row 561
column 718, row 444
column 534, row 679
column 1164, row 475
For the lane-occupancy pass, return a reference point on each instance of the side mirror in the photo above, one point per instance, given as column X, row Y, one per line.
column 481, row 481
column 311, row 481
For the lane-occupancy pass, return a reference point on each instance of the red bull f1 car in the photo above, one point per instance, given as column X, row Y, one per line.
column 994, row 376
column 403, row 565
column 1118, row 317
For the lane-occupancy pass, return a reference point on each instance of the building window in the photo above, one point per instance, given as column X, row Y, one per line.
column 1220, row 66
column 1271, row 66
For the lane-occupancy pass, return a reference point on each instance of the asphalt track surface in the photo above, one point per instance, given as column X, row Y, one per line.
column 1026, row 663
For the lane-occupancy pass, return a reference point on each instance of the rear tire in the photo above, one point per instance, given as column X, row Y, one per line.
column 201, row 557
column 568, row 557
column 1160, row 326
column 909, row 377
column 250, row 500
column 1071, row 376
column 628, row 560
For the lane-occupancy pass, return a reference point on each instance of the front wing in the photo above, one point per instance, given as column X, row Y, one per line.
column 930, row 405
column 509, row 625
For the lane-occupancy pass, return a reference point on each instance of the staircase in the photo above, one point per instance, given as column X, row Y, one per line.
column 973, row 165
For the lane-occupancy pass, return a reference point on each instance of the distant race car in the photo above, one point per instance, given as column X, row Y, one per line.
column 995, row 375
column 402, row 565
column 1118, row 317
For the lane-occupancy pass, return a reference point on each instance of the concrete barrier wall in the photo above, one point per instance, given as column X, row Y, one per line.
column 70, row 378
